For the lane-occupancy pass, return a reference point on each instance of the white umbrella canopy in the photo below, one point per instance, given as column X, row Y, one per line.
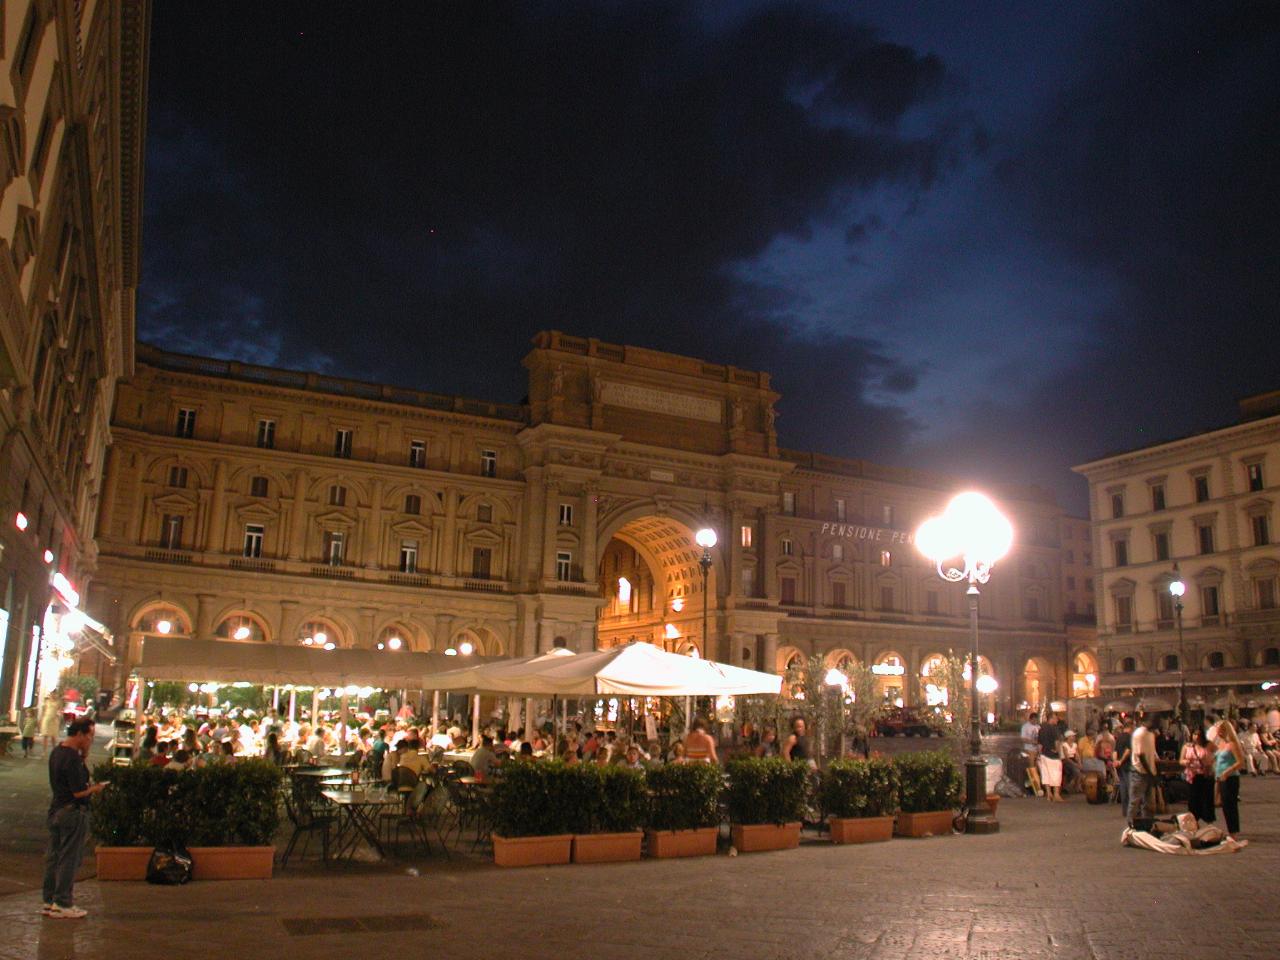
column 635, row 670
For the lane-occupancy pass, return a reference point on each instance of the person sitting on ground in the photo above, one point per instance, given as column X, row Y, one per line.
column 700, row 746
column 484, row 759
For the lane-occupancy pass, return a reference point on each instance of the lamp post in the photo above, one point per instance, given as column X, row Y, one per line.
column 705, row 538
column 973, row 531
column 1176, row 589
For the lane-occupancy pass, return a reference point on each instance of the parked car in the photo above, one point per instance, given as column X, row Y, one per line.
column 903, row 722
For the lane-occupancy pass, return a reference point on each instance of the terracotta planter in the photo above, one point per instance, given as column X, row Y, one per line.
column 231, row 863
column 931, row 824
column 122, row 863
column 666, row 844
column 993, row 801
column 758, row 837
column 606, row 847
column 861, row 829
column 532, row 851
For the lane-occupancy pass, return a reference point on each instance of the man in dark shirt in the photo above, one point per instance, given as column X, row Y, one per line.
column 68, row 819
column 1124, row 750
column 1050, row 737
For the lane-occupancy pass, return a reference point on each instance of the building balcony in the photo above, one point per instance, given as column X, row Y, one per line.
column 1259, row 616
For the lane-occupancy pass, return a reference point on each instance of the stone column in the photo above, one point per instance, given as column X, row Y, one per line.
column 590, row 503
column 444, row 631
column 298, row 516
column 288, row 625
column 368, row 615
column 204, row 616
column 217, row 526
column 111, row 481
column 448, row 545
column 770, row 656
column 374, row 551
column 549, row 520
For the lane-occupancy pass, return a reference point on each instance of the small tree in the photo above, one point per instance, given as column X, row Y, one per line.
column 863, row 704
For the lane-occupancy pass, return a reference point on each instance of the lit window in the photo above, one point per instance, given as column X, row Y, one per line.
column 266, row 434
column 171, row 532
column 186, row 425
column 253, row 536
column 488, row 463
column 886, row 515
column 840, row 509
column 334, row 542
column 566, row 514
column 417, row 454
column 337, row 496
column 564, row 565
column 788, row 503
column 837, row 552
column 624, row 592
column 747, row 533
column 787, row 546
column 342, row 444
column 1254, row 471
column 886, row 558
column 408, row 556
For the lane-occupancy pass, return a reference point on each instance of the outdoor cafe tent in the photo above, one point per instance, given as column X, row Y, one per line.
column 634, row 670
column 226, row 661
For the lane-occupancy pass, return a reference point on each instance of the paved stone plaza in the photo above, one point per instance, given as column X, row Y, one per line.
column 1054, row 883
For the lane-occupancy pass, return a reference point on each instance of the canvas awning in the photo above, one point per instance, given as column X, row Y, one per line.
column 635, row 670
column 226, row 661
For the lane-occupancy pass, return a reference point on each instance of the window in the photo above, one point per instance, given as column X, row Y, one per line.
column 1164, row 606
column 408, row 556
column 412, row 504
column 840, row 509
column 1069, row 557
column 1088, row 559
column 1071, row 583
column 334, row 542
column 1128, row 665
column 1216, row 661
column 1209, row 601
column 482, row 561
column 564, row 565
column 838, row 594
column 787, row 547
column 1261, row 530
column 1264, row 589
column 931, row 601
column 342, row 444
column 1031, row 608
column 1117, row 506
column 566, row 514
column 1124, row 612
column 1201, row 483
column 186, row 426
column 1157, row 496
column 1121, row 548
column 1170, row 662
column 886, row 598
column 177, row 476
column 267, row 434
column 787, row 586
column 1254, row 473
column 747, row 533
column 1162, row 545
column 1271, row 657
column 748, row 581
column 488, row 463
column 1204, row 536
column 253, row 536
column 484, row 513
column 417, row 454
column 886, row 558
column 788, row 503
column 886, row 514
column 171, row 532
column 837, row 553
column 337, row 496
column 258, row 486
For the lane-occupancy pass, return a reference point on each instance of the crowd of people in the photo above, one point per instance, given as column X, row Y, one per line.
column 1135, row 756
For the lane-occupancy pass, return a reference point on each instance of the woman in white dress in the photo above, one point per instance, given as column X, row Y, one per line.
column 50, row 721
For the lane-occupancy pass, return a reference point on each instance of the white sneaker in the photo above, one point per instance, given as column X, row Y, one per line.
column 66, row 913
column 45, row 908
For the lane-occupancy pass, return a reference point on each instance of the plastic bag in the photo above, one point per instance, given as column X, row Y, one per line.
column 170, row 865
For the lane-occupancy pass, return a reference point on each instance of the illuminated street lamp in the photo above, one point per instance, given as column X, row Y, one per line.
column 705, row 538
column 1176, row 589
column 974, row 533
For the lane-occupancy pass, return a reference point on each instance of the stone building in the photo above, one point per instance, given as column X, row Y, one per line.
column 72, row 117
column 1205, row 507
column 268, row 505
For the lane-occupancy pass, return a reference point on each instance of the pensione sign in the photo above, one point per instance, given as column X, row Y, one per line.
column 853, row 531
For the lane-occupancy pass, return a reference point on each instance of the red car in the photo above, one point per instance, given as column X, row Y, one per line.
column 903, row 722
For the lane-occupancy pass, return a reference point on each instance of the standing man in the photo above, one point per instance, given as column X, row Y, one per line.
column 1142, row 778
column 797, row 745
column 68, row 818
column 1124, row 753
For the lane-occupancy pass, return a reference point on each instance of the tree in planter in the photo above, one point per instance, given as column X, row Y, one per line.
column 929, row 781
column 539, row 799
column 684, row 796
column 860, row 788
column 619, row 798
column 863, row 705
column 766, row 790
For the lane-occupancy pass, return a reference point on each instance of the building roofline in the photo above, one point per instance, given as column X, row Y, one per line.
column 1165, row 446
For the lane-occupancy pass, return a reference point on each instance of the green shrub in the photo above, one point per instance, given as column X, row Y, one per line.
column 684, row 796
column 534, row 799
column 860, row 788
column 929, row 781
column 220, row 805
column 620, row 800
column 766, row 790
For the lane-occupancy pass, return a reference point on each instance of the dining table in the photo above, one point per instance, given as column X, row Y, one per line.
column 358, row 812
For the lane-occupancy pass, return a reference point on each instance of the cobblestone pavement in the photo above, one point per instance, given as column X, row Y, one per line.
column 1054, row 883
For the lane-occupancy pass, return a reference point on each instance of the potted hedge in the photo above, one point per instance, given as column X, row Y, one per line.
column 536, row 808
column 616, row 810
column 684, row 809
column 226, row 815
column 860, row 798
column 766, row 802
column 928, row 793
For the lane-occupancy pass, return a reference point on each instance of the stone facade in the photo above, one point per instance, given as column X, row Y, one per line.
column 1206, row 504
column 268, row 505
column 72, row 116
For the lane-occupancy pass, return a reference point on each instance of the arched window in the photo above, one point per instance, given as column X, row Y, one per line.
column 241, row 626
column 1271, row 657
column 1216, row 660
column 162, row 620
column 319, row 633
column 1170, row 662
column 393, row 637
column 1128, row 665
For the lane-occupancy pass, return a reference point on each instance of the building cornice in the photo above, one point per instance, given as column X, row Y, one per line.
column 1191, row 447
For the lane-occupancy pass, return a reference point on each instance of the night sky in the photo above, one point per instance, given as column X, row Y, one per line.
column 990, row 239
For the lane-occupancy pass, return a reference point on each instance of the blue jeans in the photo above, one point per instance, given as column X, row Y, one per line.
column 68, row 827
